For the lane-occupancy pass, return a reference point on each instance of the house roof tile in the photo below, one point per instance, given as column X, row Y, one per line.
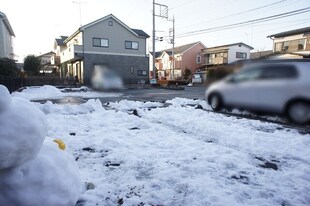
column 291, row 32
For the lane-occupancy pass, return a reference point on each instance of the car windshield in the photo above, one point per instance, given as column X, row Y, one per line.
column 248, row 74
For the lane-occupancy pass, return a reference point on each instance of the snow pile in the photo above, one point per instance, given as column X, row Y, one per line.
column 50, row 179
column 33, row 172
column 177, row 102
column 125, row 105
column 51, row 92
column 21, row 136
column 184, row 156
column 90, row 106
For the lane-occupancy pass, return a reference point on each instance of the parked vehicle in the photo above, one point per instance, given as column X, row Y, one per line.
column 277, row 86
column 196, row 79
column 105, row 79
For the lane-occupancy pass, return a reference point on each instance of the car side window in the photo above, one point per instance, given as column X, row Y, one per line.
column 279, row 72
column 247, row 75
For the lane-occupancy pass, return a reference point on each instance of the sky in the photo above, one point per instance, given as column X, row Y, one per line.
column 37, row 23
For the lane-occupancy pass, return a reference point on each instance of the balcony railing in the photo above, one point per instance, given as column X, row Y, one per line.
column 69, row 53
column 217, row 60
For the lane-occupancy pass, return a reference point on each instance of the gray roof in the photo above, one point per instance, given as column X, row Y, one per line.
column 291, row 32
column 177, row 50
column 7, row 23
column 227, row 45
column 140, row 32
column 60, row 42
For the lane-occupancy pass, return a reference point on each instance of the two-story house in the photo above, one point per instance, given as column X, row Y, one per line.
column 106, row 43
column 46, row 66
column 292, row 43
column 58, row 48
column 6, row 37
column 225, row 54
column 185, row 57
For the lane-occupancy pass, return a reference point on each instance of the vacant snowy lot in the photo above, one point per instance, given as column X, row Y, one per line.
column 136, row 154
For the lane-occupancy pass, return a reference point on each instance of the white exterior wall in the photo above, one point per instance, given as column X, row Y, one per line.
column 68, row 53
column 235, row 48
column 6, row 46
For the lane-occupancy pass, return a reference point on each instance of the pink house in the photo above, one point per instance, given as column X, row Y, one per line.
column 185, row 57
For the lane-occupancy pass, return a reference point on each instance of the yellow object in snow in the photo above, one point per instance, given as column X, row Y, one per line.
column 60, row 143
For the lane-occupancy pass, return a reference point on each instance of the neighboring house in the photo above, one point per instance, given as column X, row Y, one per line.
column 6, row 37
column 185, row 57
column 46, row 66
column 59, row 46
column 106, row 43
column 225, row 54
column 294, row 43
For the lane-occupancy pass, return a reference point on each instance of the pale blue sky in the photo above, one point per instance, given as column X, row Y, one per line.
column 36, row 23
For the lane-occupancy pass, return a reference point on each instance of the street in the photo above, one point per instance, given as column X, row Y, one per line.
column 158, row 95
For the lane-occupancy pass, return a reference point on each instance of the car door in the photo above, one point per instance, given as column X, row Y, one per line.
column 276, row 85
column 240, row 89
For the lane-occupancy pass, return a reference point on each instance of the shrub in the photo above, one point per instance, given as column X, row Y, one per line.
column 32, row 65
column 8, row 67
column 218, row 72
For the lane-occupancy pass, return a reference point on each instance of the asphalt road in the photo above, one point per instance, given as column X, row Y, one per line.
column 158, row 95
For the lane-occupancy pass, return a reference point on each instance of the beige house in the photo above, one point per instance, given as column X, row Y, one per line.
column 293, row 43
column 6, row 38
column 225, row 54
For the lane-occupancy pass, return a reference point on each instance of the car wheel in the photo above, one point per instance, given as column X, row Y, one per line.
column 215, row 102
column 299, row 112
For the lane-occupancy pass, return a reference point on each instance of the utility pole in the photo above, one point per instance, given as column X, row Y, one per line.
column 173, row 42
column 80, row 9
column 154, row 67
column 163, row 13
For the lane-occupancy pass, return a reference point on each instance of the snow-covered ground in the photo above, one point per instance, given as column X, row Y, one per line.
column 51, row 92
column 179, row 155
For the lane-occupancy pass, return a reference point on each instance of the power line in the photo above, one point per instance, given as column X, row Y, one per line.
column 242, row 12
column 254, row 21
column 187, row 2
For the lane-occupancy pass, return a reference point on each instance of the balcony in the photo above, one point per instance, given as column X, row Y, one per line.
column 217, row 60
column 70, row 53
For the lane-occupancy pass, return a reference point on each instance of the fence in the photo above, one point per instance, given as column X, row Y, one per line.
column 14, row 83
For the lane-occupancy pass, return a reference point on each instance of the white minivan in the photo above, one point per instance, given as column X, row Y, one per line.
column 277, row 86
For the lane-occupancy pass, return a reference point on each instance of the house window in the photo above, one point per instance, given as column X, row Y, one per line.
column 142, row 73
column 110, row 23
column 100, row 42
column 290, row 46
column 132, row 45
column 241, row 55
column 301, row 44
column 198, row 59
column 132, row 69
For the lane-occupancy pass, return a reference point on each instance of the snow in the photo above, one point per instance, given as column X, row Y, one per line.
column 50, row 179
column 125, row 105
column 22, row 130
column 179, row 155
column 51, row 92
column 185, row 102
column 5, row 100
column 33, row 172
